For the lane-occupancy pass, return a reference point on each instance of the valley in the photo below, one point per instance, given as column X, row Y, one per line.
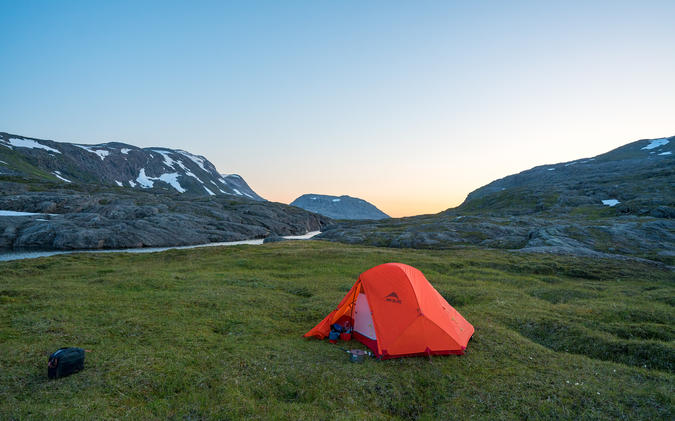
column 349, row 210
column 620, row 203
column 216, row 333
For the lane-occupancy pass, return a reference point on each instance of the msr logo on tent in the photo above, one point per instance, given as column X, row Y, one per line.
column 393, row 298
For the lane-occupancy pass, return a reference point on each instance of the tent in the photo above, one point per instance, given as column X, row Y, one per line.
column 396, row 312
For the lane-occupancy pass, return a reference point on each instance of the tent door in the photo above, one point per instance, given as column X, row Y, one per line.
column 363, row 320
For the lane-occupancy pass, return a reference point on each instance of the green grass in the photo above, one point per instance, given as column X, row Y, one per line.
column 593, row 212
column 17, row 162
column 517, row 200
column 216, row 333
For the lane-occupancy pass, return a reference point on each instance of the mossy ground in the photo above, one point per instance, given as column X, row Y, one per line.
column 216, row 333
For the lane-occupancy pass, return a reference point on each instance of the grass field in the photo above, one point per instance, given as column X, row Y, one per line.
column 216, row 333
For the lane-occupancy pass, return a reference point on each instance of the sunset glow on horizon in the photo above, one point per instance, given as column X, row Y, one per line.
column 408, row 105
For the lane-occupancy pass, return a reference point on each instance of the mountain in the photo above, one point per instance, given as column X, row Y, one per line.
column 636, row 178
column 63, row 196
column 240, row 187
column 342, row 207
column 621, row 203
column 160, row 170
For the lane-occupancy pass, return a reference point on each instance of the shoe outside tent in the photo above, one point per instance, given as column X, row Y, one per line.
column 396, row 312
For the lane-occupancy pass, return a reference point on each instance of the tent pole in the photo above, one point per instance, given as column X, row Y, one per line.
column 353, row 304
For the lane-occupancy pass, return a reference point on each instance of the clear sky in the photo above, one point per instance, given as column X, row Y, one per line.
column 410, row 105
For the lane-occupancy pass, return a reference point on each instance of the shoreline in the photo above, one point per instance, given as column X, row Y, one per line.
column 21, row 255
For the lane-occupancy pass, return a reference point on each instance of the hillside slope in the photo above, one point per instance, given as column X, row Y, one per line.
column 154, row 169
column 618, row 203
column 637, row 178
column 114, row 195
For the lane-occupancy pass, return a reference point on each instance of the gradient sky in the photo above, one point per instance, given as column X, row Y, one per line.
column 409, row 105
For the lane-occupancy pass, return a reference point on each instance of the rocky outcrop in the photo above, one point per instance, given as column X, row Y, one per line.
column 339, row 207
column 645, row 237
column 89, row 218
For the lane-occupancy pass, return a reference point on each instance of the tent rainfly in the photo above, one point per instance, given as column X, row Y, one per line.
column 396, row 313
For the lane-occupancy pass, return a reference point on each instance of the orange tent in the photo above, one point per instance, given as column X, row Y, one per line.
column 396, row 312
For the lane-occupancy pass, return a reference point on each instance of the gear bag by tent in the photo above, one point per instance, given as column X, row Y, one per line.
column 65, row 361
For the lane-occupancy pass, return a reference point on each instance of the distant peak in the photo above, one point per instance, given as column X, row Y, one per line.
column 339, row 207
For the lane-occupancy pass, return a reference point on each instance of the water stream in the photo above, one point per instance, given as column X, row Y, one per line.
column 16, row 255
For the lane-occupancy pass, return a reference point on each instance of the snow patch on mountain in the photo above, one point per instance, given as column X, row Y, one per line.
column 143, row 180
column 665, row 153
column 191, row 174
column 187, row 170
column 172, row 179
column 168, row 161
column 209, row 191
column 102, row 153
column 194, row 158
column 125, row 151
column 27, row 143
column 610, row 202
column 655, row 143
column 15, row 213
column 58, row 175
column 168, row 178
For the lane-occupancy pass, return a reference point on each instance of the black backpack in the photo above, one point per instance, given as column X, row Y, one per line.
column 65, row 361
